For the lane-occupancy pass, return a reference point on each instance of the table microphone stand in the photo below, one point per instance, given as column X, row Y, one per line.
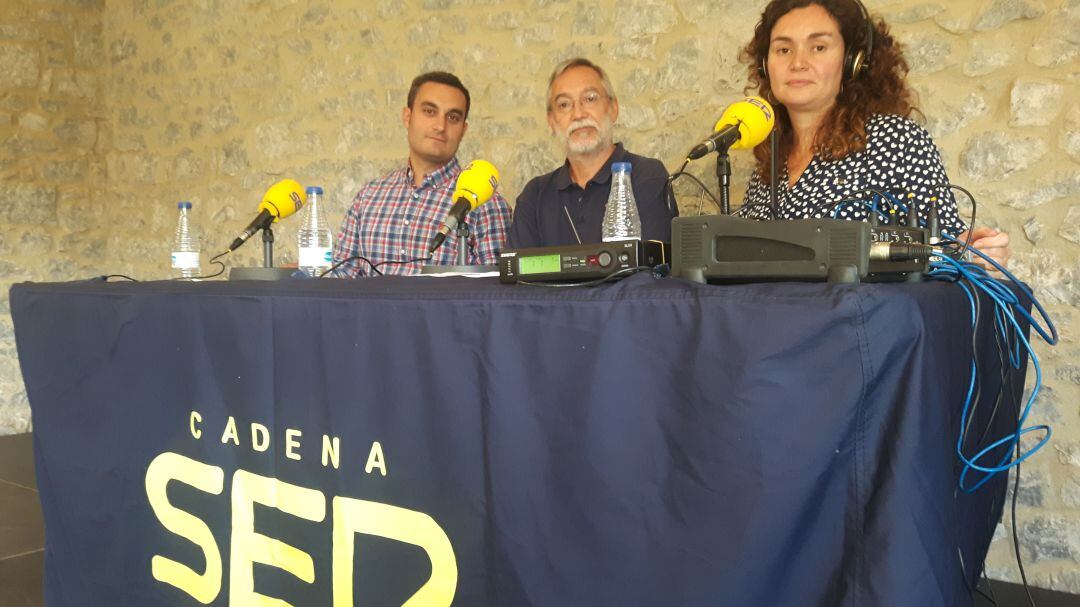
column 268, row 271
column 462, row 266
column 723, row 175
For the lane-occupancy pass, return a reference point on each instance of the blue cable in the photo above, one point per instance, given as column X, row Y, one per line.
column 1005, row 302
column 1051, row 339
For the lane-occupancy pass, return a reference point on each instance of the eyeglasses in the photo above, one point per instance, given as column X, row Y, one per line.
column 588, row 101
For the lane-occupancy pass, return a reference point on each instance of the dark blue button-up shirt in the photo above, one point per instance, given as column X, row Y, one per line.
column 540, row 217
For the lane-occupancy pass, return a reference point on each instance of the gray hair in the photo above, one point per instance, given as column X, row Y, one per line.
column 580, row 62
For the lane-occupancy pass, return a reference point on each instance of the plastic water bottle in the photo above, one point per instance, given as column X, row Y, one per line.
column 314, row 239
column 185, row 251
column 621, row 219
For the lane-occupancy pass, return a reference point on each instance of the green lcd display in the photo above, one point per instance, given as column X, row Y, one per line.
column 539, row 264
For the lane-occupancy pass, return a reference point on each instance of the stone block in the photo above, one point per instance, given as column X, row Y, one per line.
column 439, row 60
column 19, row 67
column 536, row 33
column 915, row 14
column 1050, row 537
column 20, row 32
column 14, row 102
column 1070, row 227
column 65, row 171
column 35, row 243
column 718, row 12
column 424, row 32
column 187, row 165
column 1034, row 487
column 589, row 20
column 27, row 203
column 79, row 133
column 23, row 146
column 928, row 53
column 121, row 50
column 988, row 54
column 944, row 118
column 1070, row 492
column 1033, row 103
column 33, row 121
column 1058, row 185
column 638, row 18
column 1034, row 230
column 993, row 156
column 636, row 118
column 504, row 20
column 221, row 116
column 232, row 158
column 999, row 12
column 89, row 46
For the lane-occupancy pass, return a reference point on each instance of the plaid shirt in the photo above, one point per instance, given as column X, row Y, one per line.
column 391, row 220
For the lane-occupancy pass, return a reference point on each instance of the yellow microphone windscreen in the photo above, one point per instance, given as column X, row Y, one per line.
column 283, row 199
column 477, row 182
column 755, row 118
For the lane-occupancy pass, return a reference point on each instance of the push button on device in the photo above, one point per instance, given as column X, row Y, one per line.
column 604, row 258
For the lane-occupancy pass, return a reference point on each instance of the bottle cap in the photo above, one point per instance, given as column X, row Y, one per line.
column 620, row 167
column 183, row 204
column 313, row 189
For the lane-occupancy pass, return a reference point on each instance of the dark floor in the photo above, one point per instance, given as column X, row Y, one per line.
column 22, row 539
column 22, row 532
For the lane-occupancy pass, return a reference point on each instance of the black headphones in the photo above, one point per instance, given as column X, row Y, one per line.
column 855, row 61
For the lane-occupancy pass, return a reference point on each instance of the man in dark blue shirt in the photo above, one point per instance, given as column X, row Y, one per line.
column 566, row 206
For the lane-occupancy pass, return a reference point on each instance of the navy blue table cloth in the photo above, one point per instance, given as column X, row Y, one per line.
column 648, row 442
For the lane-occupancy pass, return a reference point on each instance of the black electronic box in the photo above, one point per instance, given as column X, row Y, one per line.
column 578, row 262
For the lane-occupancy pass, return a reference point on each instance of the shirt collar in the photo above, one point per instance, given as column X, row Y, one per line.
column 444, row 174
column 562, row 177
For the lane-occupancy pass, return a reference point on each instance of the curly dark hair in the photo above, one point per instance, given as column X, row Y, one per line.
column 880, row 89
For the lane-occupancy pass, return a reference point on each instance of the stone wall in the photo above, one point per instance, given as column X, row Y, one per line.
column 53, row 141
column 111, row 111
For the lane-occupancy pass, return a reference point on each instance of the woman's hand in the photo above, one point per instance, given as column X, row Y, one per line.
column 991, row 242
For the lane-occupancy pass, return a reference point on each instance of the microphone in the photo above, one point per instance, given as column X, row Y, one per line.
column 475, row 185
column 743, row 125
column 282, row 199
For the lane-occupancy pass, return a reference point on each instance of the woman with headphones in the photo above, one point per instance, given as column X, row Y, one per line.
column 837, row 82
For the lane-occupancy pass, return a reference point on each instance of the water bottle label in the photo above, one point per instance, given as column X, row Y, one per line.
column 185, row 260
column 313, row 257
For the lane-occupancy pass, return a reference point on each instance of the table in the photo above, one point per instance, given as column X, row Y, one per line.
column 426, row 440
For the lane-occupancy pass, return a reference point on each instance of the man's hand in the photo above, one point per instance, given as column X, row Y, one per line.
column 992, row 242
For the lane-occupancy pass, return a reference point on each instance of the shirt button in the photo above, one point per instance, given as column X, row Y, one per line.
column 416, row 196
column 406, row 222
column 403, row 251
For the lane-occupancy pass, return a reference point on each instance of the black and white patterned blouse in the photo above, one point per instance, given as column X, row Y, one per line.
column 900, row 160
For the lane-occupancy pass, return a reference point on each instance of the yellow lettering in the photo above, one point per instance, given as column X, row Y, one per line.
column 210, row 479
column 260, row 437
column 352, row 516
column 230, row 432
column 331, row 450
column 291, row 444
column 376, row 459
column 195, row 418
column 249, row 547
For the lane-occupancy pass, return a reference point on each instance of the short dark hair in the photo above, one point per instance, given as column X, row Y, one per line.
column 441, row 78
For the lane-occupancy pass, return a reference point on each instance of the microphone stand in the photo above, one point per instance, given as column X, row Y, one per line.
column 774, row 170
column 723, row 175
column 268, row 271
column 462, row 233
column 268, row 247
column 462, row 263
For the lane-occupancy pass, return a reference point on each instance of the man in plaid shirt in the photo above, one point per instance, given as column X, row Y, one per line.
column 394, row 218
